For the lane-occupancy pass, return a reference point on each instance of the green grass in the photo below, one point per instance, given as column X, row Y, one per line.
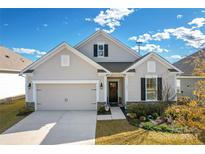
column 8, row 114
column 120, row 132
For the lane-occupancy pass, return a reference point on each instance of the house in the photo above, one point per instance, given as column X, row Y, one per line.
column 98, row 70
column 193, row 70
column 11, row 84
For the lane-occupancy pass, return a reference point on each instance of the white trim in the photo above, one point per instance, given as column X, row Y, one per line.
column 34, row 96
column 126, row 89
column 151, row 77
column 190, row 77
column 26, row 88
column 157, row 57
column 57, row 50
column 64, row 81
column 105, row 88
column 117, row 42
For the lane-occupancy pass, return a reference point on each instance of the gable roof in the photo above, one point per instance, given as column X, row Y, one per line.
column 161, row 59
column 189, row 63
column 116, row 41
column 57, row 49
column 11, row 61
column 115, row 67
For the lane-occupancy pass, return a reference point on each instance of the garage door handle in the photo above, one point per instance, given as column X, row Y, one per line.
column 93, row 103
column 93, row 89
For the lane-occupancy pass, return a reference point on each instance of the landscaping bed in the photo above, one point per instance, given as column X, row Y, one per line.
column 103, row 111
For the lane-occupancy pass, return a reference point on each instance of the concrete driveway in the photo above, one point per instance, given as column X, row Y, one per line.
column 53, row 127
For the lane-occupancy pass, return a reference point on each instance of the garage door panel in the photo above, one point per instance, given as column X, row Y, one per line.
column 66, row 97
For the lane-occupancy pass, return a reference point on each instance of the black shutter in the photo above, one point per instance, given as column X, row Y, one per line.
column 159, row 89
column 106, row 50
column 95, row 50
column 143, row 89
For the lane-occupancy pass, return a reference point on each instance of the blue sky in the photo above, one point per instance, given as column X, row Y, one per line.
column 172, row 33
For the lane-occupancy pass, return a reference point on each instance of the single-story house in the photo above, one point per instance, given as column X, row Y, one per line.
column 11, row 84
column 186, row 82
column 98, row 70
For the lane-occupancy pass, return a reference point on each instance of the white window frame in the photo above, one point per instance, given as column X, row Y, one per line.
column 101, row 50
column 150, row 65
column 62, row 61
column 155, row 89
column 178, row 86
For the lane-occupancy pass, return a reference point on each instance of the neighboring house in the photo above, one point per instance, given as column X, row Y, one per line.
column 98, row 70
column 191, row 66
column 11, row 84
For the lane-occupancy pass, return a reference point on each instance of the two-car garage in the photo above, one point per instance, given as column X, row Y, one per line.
column 66, row 95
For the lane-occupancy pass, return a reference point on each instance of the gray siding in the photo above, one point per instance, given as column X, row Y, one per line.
column 79, row 69
column 134, row 83
column 115, row 53
column 187, row 86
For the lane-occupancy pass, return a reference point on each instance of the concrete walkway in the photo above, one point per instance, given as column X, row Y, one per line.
column 53, row 127
column 116, row 113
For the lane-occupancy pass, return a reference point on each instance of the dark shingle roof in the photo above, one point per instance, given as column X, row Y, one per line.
column 189, row 63
column 115, row 66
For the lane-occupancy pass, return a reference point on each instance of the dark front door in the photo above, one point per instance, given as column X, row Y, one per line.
column 113, row 88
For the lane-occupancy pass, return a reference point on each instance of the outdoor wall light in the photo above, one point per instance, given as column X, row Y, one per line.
column 101, row 85
column 29, row 86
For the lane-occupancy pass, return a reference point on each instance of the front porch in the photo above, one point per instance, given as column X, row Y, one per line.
column 115, row 90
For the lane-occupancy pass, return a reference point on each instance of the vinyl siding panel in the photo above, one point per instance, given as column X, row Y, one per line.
column 134, row 81
column 115, row 53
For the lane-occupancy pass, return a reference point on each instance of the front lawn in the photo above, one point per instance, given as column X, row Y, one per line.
column 120, row 132
column 9, row 114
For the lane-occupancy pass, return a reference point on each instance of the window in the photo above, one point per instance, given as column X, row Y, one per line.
column 151, row 88
column 65, row 60
column 100, row 50
column 151, row 66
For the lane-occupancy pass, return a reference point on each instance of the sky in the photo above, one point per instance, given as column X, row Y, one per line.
column 172, row 33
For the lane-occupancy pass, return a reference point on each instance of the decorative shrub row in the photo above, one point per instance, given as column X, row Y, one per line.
column 145, row 109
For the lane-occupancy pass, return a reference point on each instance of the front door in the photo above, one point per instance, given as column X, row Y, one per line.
column 113, row 88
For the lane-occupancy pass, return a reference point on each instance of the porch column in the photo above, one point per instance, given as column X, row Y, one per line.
column 105, row 89
column 34, row 96
column 126, row 89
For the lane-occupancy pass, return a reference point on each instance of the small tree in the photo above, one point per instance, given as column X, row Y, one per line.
column 199, row 91
column 168, row 93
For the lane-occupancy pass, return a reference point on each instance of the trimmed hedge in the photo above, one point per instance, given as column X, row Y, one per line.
column 145, row 109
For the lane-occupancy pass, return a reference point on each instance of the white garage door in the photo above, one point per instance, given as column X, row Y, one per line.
column 66, row 97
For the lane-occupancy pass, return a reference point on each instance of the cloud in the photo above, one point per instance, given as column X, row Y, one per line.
column 192, row 37
column 203, row 11
column 142, row 38
column 179, row 16
column 5, row 25
column 199, row 22
column 45, row 25
column 87, row 19
column 34, row 52
column 111, row 18
column 174, row 57
column 161, row 36
column 151, row 48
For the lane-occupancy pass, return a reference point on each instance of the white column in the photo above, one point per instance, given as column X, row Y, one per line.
column 126, row 89
column 105, row 89
column 34, row 96
column 97, row 91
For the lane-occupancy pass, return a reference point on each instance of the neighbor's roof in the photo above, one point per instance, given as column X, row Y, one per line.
column 188, row 64
column 115, row 66
column 11, row 61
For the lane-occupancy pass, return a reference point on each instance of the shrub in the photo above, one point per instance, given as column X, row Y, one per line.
column 142, row 118
column 24, row 111
column 145, row 109
column 131, row 115
column 102, row 111
column 155, row 115
column 183, row 100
